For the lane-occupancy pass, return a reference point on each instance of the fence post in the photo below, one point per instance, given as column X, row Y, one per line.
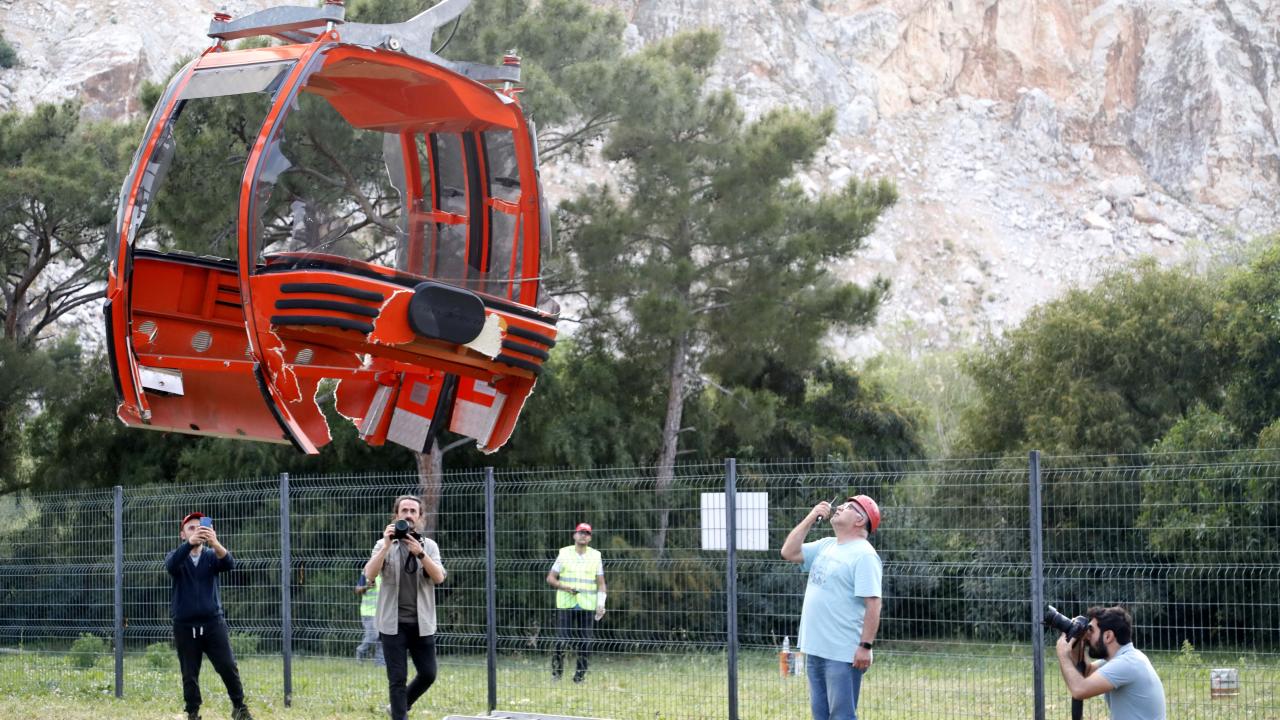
column 731, row 578
column 490, row 589
column 117, row 541
column 1037, row 583
column 286, row 600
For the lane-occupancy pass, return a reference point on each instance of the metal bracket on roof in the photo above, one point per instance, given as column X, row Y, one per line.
column 287, row 22
column 413, row 37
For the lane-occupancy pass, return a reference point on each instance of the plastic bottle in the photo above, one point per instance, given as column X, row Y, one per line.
column 784, row 657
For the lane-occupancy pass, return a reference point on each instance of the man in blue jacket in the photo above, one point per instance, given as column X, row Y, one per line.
column 198, row 625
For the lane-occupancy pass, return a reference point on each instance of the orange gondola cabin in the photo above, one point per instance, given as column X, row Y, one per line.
column 346, row 205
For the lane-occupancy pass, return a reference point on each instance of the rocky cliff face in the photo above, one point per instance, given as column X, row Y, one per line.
column 1036, row 143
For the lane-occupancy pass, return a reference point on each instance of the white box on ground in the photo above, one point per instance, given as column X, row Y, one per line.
column 1224, row 682
column 752, row 520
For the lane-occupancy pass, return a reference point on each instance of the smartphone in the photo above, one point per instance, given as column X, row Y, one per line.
column 206, row 522
column 832, row 503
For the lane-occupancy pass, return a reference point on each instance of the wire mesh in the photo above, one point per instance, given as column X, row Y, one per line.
column 660, row 648
column 1187, row 543
column 57, row 577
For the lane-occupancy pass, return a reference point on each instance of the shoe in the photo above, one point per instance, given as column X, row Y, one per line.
column 577, row 677
column 555, row 677
column 193, row 716
column 241, row 713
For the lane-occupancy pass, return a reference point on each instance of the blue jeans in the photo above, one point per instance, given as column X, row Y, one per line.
column 833, row 688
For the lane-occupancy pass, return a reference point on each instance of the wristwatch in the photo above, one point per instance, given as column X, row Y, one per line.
column 866, row 645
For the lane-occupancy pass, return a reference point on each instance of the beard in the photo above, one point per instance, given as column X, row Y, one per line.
column 1098, row 650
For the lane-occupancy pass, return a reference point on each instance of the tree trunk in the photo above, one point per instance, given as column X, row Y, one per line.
column 430, row 485
column 670, row 436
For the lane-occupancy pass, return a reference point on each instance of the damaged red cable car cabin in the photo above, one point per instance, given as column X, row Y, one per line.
column 347, row 205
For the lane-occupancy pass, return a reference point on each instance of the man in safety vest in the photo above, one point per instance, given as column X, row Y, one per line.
column 368, row 618
column 578, row 577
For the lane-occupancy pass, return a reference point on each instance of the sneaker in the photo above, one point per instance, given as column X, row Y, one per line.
column 577, row 677
column 241, row 713
column 193, row 716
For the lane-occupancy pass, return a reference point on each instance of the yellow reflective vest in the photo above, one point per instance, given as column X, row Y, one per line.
column 578, row 572
column 369, row 601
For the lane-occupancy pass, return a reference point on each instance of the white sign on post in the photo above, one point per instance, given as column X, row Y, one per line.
column 752, row 521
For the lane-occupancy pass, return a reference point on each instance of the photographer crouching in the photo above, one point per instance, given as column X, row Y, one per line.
column 1132, row 687
column 406, row 616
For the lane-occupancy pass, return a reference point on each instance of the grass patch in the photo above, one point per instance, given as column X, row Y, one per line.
column 989, row 683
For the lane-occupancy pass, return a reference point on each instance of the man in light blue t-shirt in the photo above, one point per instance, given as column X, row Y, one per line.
column 1132, row 687
column 841, row 613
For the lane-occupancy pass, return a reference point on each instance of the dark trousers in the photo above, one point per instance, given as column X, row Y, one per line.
column 574, row 628
column 193, row 643
column 395, row 648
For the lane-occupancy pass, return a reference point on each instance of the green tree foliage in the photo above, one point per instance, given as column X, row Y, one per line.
column 8, row 55
column 705, row 254
column 1247, row 339
column 585, row 412
column 59, row 177
column 1105, row 370
column 932, row 387
column 1221, row 512
column 24, row 372
column 829, row 412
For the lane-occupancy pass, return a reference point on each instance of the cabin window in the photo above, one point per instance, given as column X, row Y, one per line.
column 189, row 197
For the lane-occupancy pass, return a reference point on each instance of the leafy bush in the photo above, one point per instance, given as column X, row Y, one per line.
column 160, row 655
column 86, row 649
column 8, row 56
column 1188, row 655
column 243, row 644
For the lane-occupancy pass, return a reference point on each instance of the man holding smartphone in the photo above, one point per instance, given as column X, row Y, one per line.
column 199, row 627
column 841, row 613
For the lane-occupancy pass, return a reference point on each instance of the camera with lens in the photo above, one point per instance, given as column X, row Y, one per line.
column 404, row 529
column 1072, row 627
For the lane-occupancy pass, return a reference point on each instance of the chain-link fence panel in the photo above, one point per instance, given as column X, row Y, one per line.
column 1189, row 544
column 659, row 649
column 57, row 580
column 335, row 522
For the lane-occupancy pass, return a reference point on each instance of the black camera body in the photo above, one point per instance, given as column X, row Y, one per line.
column 1072, row 627
column 404, row 529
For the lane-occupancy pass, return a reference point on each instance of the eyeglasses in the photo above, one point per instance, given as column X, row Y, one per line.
column 851, row 505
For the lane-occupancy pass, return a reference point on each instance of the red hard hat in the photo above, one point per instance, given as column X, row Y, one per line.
column 583, row 527
column 869, row 508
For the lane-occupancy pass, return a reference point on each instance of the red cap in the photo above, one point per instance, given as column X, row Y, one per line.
column 583, row 527
column 189, row 518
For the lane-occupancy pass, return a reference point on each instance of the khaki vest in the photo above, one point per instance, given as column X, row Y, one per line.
column 578, row 572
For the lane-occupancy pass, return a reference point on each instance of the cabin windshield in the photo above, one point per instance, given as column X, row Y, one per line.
column 384, row 165
column 188, row 198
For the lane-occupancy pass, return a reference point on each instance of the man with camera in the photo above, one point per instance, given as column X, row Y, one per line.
column 841, row 612
column 199, row 627
column 410, row 567
column 1132, row 687
column 578, row 577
